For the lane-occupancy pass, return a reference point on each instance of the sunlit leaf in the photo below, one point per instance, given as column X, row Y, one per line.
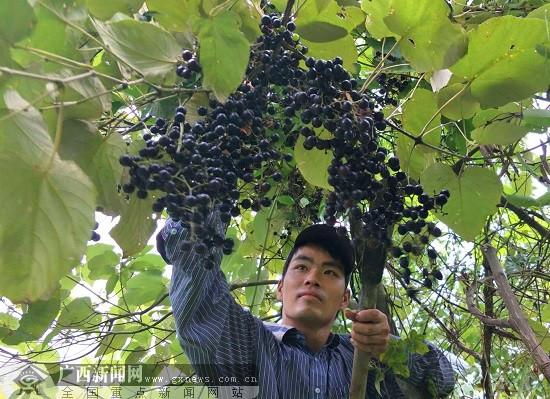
column 223, row 47
column 501, row 60
column 313, row 164
column 44, row 231
column 149, row 49
column 475, row 194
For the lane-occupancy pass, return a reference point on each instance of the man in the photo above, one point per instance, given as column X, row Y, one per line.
column 299, row 358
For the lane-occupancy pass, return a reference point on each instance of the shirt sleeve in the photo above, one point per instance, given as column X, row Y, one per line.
column 433, row 371
column 214, row 331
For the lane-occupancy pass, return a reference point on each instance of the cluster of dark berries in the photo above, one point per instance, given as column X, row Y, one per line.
column 231, row 158
column 189, row 65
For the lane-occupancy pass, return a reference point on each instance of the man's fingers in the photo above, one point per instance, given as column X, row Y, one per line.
column 370, row 316
column 379, row 339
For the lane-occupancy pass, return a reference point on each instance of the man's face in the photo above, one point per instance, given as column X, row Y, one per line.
column 313, row 288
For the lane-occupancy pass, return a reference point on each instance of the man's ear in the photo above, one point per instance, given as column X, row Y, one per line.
column 280, row 290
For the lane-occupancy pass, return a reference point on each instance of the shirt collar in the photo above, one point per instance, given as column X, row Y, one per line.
column 288, row 334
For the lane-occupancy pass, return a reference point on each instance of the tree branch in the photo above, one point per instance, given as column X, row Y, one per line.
column 524, row 217
column 517, row 318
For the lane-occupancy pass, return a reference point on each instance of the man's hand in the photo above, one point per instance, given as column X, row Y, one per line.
column 370, row 331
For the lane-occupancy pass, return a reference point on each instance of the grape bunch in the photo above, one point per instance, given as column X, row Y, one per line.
column 231, row 158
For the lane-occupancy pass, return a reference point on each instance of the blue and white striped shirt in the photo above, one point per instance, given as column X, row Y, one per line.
column 213, row 329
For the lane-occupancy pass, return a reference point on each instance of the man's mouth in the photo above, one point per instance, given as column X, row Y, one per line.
column 310, row 295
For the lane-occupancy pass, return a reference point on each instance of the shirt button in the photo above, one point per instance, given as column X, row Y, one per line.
column 317, row 390
column 173, row 231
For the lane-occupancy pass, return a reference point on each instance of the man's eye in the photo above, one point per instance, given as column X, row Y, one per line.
column 332, row 272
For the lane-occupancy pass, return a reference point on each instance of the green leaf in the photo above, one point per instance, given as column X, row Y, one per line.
column 50, row 34
column 103, row 266
column 327, row 17
column 78, row 314
column 542, row 334
column 35, row 321
column 111, row 343
column 89, row 94
column 98, row 156
column 174, row 15
column 344, row 48
column 255, row 295
column 8, row 321
column 144, row 287
column 264, row 226
column 106, row 9
column 427, row 46
column 376, row 11
column 474, row 196
column 147, row 48
column 529, row 202
column 135, row 227
column 285, row 200
column 320, row 32
column 250, row 19
column 501, row 60
column 502, row 133
column 461, row 103
column 44, row 233
column 18, row 21
column 223, row 47
column 542, row 12
column 417, row 112
column 147, row 262
column 536, row 118
column 313, row 164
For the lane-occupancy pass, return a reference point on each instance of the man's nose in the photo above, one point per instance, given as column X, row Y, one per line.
column 312, row 277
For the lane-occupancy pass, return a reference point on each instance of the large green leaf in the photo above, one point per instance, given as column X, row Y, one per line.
column 429, row 40
column 98, row 156
column 135, row 227
column 475, row 194
column 43, row 233
column 106, row 9
column 536, row 118
column 417, row 113
column 502, row 62
column 313, row 164
column 255, row 295
column 103, row 266
column 174, row 15
column 376, row 11
column 147, row 48
column 79, row 314
column 458, row 102
column 89, row 96
column 325, row 30
column 320, row 31
column 223, row 47
column 50, row 34
column 502, row 133
column 18, row 21
column 35, row 321
column 144, row 287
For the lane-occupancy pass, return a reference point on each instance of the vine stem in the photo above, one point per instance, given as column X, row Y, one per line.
column 361, row 360
column 378, row 68
column 423, row 132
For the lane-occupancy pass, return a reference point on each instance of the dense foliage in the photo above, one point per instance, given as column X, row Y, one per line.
column 418, row 125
